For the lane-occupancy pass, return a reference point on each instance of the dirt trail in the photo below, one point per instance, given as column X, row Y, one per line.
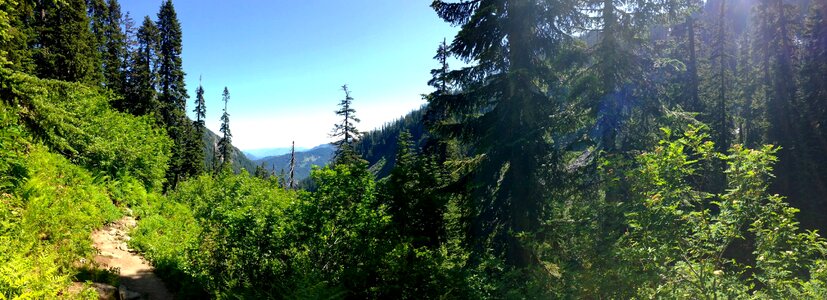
column 135, row 273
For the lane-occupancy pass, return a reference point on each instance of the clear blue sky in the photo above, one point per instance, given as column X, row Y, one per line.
column 284, row 62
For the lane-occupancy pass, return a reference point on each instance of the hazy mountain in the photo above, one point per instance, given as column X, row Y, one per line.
column 305, row 160
column 255, row 154
column 378, row 147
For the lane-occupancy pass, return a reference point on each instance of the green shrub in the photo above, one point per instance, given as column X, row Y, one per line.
column 679, row 234
column 45, row 226
column 78, row 122
column 223, row 235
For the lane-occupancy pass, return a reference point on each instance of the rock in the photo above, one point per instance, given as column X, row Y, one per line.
column 126, row 294
column 109, row 255
column 105, row 291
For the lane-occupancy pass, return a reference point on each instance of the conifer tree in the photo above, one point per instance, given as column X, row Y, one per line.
column 775, row 43
column 225, row 147
column 200, row 108
column 194, row 162
column 142, row 96
column 292, row 181
column 502, row 111
column 115, row 49
column 15, row 45
column 813, row 77
column 813, row 104
column 622, row 29
column 346, row 131
column 97, row 12
column 173, row 94
column 693, row 100
column 721, row 55
column 261, row 172
column 402, row 186
column 64, row 47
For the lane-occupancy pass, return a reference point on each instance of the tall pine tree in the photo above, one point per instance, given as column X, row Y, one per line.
column 225, row 144
column 345, row 132
column 115, row 49
column 64, row 47
column 173, row 94
column 502, row 110
column 142, row 95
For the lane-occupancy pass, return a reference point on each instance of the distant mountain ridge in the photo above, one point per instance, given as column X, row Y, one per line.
column 256, row 154
column 305, row 160
column 378, row 147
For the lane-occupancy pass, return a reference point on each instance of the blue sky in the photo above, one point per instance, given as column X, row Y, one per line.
column 285, row 61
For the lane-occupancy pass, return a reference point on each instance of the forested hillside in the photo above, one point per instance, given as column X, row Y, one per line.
column 585, row 149
column 378, row 147
column 211, row 154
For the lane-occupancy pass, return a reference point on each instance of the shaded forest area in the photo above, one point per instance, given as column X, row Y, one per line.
column 587, row 149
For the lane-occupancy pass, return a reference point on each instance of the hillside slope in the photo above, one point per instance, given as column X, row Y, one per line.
column 66, row 159
column 240, row 161
column 378, row 147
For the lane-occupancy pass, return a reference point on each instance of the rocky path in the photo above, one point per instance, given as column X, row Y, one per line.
column 136, row 275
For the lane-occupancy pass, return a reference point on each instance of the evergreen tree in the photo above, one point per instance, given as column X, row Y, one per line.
column 346, row 131
column 194, row 158
column 200, row 108
column 115, row 49
column 622, row 84
column 502, row 111
column 693, row 100
column 813, row 77
column 17, row 35
column 748, row 112
column 173, row 94
column 64, row 47
column 414, row 201
column 225, row 147
column 292, row 182
column 776, row 42
column 261, row 172
column 142, row 95
column 97, row 12
column 721, row 56
column 813, row 102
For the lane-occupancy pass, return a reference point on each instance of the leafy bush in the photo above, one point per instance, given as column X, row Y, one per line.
column 77, row 121
column 241, row 236
column 679, row 235
column 45, row 226
column 223, row 235
column 12, row 150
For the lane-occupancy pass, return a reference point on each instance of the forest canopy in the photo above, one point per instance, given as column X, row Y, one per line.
column 583, row 149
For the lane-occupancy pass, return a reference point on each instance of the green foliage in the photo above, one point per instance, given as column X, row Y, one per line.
column 13, row 148
column 67, row 49
column 45, row 225
column 222, row 235
column 679, row 237
column 341, row 229
column 77, row 121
